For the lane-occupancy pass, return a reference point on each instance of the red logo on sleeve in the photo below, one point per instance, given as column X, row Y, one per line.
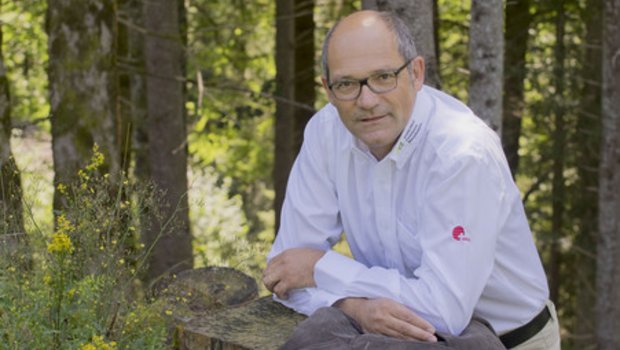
column 458, row 233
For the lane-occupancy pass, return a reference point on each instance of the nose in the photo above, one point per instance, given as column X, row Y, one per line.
column 367, row 98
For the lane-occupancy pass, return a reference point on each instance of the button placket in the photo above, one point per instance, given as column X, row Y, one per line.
column 383, row 188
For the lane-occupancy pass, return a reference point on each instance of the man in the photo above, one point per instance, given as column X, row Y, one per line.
column 422, row 190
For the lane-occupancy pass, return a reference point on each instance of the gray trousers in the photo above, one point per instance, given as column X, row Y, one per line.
column 330, row 328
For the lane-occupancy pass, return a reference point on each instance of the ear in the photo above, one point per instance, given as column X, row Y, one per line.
column 327, row 90
column 419, row 69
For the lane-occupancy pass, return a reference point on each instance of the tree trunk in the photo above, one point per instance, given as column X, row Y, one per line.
column 419, row 17
column 131, row 63
column 168, row 233
column 295, row 89
column 11, row 217
column 82, row 84
column 128, row 18
column 608, row 271
column 586, row 209
column 305, row 92
column 558, row 191
column 486, row 48
column 516, row 35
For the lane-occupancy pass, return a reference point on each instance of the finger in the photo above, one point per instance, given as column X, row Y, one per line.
column 269, row 281
column 405, row 330
column 403, row 313
column 281, row 290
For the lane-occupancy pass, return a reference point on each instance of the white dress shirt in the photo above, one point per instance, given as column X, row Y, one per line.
column 437, row 225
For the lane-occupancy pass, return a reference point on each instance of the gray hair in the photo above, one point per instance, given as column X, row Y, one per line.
column 406, row 44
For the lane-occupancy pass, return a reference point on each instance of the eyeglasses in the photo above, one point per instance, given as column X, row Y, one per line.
column 380, row 83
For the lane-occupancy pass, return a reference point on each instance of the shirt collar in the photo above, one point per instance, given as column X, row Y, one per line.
column 410, row 137
column 413, row 133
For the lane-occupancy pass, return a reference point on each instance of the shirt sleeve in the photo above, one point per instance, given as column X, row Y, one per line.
column 310, row 216
column 466, row 194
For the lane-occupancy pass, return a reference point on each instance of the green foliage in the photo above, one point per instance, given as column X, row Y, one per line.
column 82, row 290
column 220, row 228
column 25, row 58
column 453, row 31
column 231, row 108
column 544, row 104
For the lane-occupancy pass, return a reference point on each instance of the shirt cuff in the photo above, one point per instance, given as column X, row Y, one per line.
column 308, row 300
column 333, row 272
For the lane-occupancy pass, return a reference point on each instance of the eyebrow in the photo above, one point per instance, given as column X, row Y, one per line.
column 374, row 72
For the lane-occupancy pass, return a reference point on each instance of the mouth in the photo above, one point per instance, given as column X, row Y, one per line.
column 373, row 118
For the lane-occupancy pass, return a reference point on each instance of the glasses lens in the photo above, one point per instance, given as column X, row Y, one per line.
column 346, row 89
column 383, row 82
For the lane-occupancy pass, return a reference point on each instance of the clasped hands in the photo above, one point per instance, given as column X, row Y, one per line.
column 294, row 268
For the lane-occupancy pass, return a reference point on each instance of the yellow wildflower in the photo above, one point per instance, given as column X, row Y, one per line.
column 61, row 243
column 98, row 343
column 82, row 174
column 64, row 225
column 96, row 160
column 168, row 312
column 61, row 188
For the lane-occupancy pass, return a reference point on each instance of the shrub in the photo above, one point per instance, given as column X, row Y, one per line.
column 82, row 288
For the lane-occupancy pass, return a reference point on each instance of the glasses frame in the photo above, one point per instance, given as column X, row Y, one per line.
column 364, row 81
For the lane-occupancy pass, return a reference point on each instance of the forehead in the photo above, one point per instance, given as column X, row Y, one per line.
column 360, row 46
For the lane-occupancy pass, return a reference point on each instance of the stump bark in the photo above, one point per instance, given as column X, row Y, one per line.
column 261, row 324
column 195, row 292
column 216, row 308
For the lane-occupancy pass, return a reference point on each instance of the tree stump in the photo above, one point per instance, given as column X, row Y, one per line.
column 216, row 308
column 193, row 293
column 261, row 324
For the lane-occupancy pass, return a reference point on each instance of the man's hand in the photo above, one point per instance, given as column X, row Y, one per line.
column 291, row 269
column 387, row 317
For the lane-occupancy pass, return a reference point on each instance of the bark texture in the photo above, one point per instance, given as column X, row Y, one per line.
column 558, row 190
column 486, row 61
column 262, row 324
column 82, row 84
column 419, row 17
column 168, row 230
column 133, row 82
column 305, row 88
column 11, row 218
column 588, row 137
column 518, row 21
column 295, row 87
column 608, row 275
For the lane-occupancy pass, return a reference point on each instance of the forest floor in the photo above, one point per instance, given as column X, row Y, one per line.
column 33, row 153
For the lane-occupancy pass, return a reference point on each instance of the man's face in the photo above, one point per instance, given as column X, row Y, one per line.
column 360, row 47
